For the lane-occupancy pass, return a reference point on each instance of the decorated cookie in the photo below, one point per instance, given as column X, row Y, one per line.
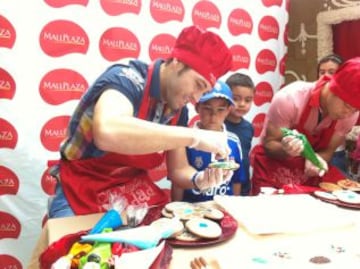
column 347, row 196
column 213, row 213
column 204, row 228
column 177, row 204
column 187, row 213
column 325, row 195
column 349, row 184
column 174, row 225
column 226, row 165
column 187, row 236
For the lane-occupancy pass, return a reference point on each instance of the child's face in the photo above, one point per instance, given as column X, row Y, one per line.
column 243, row 97
column 212, row 113
column 328, row 68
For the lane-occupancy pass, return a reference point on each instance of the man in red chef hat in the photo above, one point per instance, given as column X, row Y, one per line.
column 324, row 111
column 129, row 118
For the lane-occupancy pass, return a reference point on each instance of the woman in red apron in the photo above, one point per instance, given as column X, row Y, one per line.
column 335, row 101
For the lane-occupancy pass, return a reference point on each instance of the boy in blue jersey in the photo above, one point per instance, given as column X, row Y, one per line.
column 212, row 108
column 243, row 91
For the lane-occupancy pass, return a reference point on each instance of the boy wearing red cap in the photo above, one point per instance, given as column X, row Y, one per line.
column 324, row 111
column 129, row 118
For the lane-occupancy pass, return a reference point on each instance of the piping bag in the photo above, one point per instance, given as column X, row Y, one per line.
column 143, row 237
column 308, row 151
column 112, row 218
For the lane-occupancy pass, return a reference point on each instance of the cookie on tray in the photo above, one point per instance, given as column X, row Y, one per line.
column 187, row 213
column 166, row 213
column 204, row 228
column 187, row 236
column 177, row 204
column 174, row 225
column 328, row 186
column 349, row 184
column 213, row 213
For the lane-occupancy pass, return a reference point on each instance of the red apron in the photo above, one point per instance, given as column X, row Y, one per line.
column 271, row 172
column 88, row 183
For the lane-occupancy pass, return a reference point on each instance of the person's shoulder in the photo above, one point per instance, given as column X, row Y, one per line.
column 245, row 123
column 299, row 85
column 233, row 137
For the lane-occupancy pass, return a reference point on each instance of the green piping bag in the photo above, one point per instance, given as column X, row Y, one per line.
column 308, row 151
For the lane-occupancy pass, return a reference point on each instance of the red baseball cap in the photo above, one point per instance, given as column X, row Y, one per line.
column 345, row 83
column 203, row 51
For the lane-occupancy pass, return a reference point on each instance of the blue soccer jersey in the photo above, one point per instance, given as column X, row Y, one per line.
column 200, row 160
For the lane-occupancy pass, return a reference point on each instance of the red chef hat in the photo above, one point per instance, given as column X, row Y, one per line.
column 345, row 83
column 203, row 51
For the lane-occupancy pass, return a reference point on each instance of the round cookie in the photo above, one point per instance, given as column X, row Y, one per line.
column 349, row 184
column 188, row 213
column 347, row 196
column 187, row 236
column 327, row 186
column 204, row 228
column 325, row 195
column 177, row 204
column 166, row 213
column 174, row 225
column 213, row 214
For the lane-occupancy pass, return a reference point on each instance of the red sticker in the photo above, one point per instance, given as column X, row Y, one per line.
column 165, row 10
column 9, row 226
column 240, row 22
column 206, row 14
column 258, row 123
column 263, row 94
column 7, row 261
column 62, row 3
column 9, row 182
column 7, row 85
column 118, row 43
column 48, row 183
column 61, row 85
column 265, row 61
column 269, row 3
column 241, row 57
column 161, row 46
column 63, row 37
column 8, row 135
column 7, row 33
column 114, row 8
column 54, row 132
column 268, row 28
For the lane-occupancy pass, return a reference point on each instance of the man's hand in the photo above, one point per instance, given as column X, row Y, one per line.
column 311, row 170
column 292, row 145
column 211, row 141
column 211, row 177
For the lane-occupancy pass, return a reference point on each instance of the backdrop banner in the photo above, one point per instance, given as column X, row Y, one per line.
column 52, row 50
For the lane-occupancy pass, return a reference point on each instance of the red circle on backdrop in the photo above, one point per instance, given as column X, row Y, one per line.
column 118, row 43
column 164, row 10
column 258, row 123
column 53, row 132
